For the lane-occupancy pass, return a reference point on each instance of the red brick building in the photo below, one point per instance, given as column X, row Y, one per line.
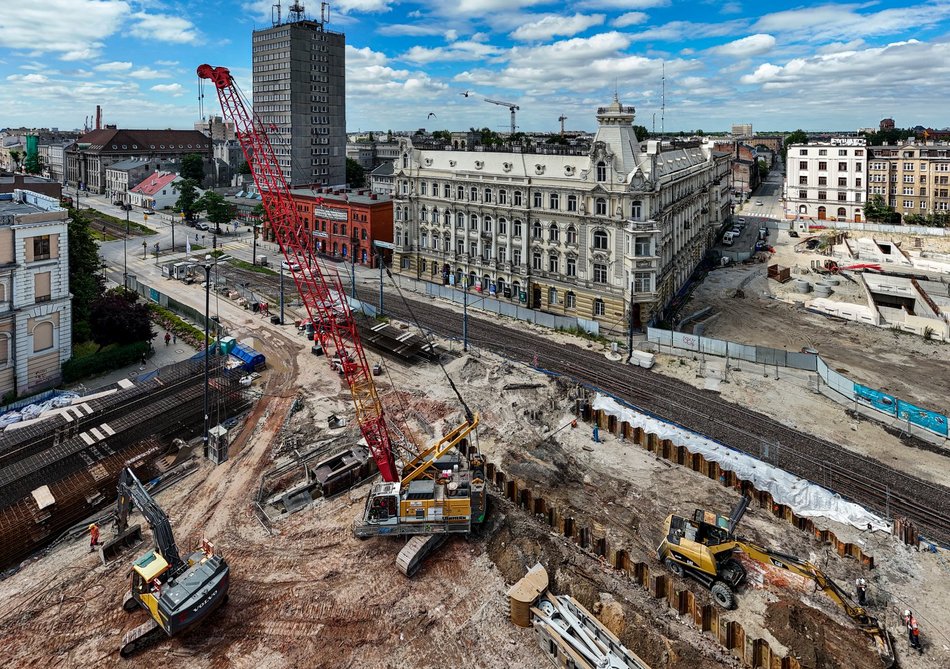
column 343, row 221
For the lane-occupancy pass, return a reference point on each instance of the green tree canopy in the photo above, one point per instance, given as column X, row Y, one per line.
column 119, row 318
column 16, row 156
column 85, row 277
column 219, row 211
column 244, row 168
column 642, row 132
column 797, row 137
column 33, row 164
column 187, row 202
column 877, row 211
column 193, row 168
column 355, row 174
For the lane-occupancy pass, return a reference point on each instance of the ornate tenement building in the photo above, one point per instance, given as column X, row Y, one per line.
column 610, row 234
column 913, row 178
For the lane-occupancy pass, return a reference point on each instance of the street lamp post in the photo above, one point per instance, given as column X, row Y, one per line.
column 125, row 253
column 208, row 265
column 379, row 259
column 465, row 314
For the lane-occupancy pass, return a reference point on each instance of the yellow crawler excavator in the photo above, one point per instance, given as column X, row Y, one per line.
column 704, row 548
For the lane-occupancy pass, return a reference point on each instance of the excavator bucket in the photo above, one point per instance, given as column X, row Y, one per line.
column 131, row 536
column 882, row 640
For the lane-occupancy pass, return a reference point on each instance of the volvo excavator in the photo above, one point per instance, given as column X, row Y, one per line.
column 176, row 593
column 704, row 547
column 435, row 491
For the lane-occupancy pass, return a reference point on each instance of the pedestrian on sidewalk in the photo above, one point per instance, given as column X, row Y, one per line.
column 168, row 338
column 93, row 537
column 174, row 338
column 144, row 360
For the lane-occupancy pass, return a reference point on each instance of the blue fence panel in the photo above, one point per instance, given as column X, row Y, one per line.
column 929, row 420
column 875, row 398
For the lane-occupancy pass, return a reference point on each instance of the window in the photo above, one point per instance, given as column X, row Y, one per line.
column 600, row 273
column 4, row 350
column 473, row 194
column 502, row 196
column 42, row 336
column 537, row 200
column 501, row 253
column 459, row 192
column 803, row 152
column 908, row 167
column 642, row 282
column 599, row 308
column 636, row 210
column 908, row 178
column 842, row 167
column 802, row 180
column 600, row 206
column 572, row 203
column 41, row 248
column 843, row 181
column 554, row 234
column 555, row 201
column 516, row 257
column 423, row 188
column 554, row 264
column 803, row 195
column 843, row 197
column 571, row 267
column 571, row 234
column 601, row 171
column 822, row 165
column 822, row 181
column 803, row 164
column 460, row 221
column 536, row 260
column 473, row 222
column 822, row 152
column 536, row 230
column 570, row 300
column 822, row 195
column 41, row 287
column 423, row 240
column 552, row 296
column 404, row 262
column 641, row 246
column 600, row 240
column 487, row 224
column 857, row 167
column 446, row 191
column 517, row 198
column 842, row 213
column 516, row 229
column 488, row 195
column 460, row 246
column 908, row 190
column 908, row 204
column 842, row 152
column 859, row 152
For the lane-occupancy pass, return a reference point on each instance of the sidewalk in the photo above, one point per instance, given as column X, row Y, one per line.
column 164, row 355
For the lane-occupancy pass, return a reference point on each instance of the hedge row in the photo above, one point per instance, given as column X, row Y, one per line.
column 106, row 360
column 172, row 322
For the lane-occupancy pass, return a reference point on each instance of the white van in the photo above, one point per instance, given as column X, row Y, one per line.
column 728, row 237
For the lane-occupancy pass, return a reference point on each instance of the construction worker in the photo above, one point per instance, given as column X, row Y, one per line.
column 93, row 537
column 596, row 434
column 913, row 631
column 861, row 587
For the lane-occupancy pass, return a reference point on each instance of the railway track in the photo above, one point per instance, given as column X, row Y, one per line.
column 873, row 484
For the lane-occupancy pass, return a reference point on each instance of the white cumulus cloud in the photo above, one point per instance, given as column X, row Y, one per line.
column 164, row 28
column 174, row 89
column 73, row 28
column 629, row 19
column 753, row 45
column 114, row 66
column 551, row 26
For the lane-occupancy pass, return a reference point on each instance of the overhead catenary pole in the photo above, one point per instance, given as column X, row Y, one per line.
column 207, row 267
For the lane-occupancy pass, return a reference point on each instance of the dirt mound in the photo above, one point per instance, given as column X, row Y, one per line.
column 817, row 640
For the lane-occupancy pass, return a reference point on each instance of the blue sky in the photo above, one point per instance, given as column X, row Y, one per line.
column 777, row 65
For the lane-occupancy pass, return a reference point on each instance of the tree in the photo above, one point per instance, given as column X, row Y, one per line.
column 642, row 132
column 16, row 156
column 763, row 170
column 85, row 277
column 244, row 168
column 876, row 210
column 193, row 168
column 33, row 164
column 443, row 135
column 219, row 211
column 119, row 318
column 187, row 202
column 797, row 137
column 355, row 174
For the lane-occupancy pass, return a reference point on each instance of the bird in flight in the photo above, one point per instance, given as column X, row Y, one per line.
column 431, row 115
column 465, row 94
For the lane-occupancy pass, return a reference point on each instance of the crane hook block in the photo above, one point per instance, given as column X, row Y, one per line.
column 221, row 76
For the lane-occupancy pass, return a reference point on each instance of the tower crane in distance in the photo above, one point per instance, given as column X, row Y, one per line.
column 512, row 107
column 440, row 489
column 562, row 118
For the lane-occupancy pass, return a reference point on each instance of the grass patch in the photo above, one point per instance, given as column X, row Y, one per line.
column 101, row 236
column 85, row 348
column 584, row 334
column 243, row 264
column 138, row 228
column 173, row 323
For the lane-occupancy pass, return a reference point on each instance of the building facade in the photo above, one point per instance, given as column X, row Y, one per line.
column 156, row 191
column 125, row 175
column 827, row 181
column 912, row 178
column 344, row 224
column 299, row 94
column 35, row 306
column 88, row 159
column 611, row 233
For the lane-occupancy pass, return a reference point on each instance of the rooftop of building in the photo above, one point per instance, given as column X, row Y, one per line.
column 384, row 170
column 339, row 195
column 24, row 202
column 308, row 24
column 25, row 179
column 155, row 182
column 115, row 140
column 129, row 164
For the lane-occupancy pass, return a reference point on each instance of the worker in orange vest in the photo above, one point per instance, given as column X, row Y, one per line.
column 93, row 537
column 913, row 631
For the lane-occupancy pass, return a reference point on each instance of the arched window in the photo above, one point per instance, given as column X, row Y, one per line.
column 487, row 224
column 502, row 226
column 473, row 194
column 570, row 300
column 502, row 196
column 554, row 263
column 600, row 240
column 473, row 222
column 405, row 160
column 600, row 206
column 572, row 203
column 518, row 200
column 43, row 336
column 554, row 234
column 488, row 195
column 841, row 212
column 459, row 192
column 599, row 309
column 423, row 215
column 601, row 171
column 536, row 260
column 572, row 267
column 802, row 209
column 447, row 217
column 536, row 230
column 460, row 220
column 571, row 234
column 446, row 191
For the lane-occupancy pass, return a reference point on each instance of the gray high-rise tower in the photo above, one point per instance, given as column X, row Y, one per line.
column 299, row 95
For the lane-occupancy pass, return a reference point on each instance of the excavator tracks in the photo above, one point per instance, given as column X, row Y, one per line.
column 144, row 635
column 416, row 550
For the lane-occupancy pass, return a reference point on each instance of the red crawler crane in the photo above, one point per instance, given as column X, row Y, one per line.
column 320, row 288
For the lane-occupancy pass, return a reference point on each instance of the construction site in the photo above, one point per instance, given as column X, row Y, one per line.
column 406, row 492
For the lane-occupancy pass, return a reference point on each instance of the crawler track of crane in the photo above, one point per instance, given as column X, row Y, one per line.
column 856, row 477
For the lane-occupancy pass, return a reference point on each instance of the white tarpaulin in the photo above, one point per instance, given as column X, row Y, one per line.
column 805, row 499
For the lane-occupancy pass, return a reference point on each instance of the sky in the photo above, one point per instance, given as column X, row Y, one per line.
column 777, row 64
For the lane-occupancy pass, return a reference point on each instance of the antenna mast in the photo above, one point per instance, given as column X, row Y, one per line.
column 663, row 100
column 324, row 12
column 296, row 12
column 275, row 8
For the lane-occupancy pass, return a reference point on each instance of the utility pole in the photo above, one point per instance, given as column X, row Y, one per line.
column 281, row 293
column 207, row 267
column 379, row 259
column 254, row 248
column 465, row 314
column 125, row 253
column 630, row 329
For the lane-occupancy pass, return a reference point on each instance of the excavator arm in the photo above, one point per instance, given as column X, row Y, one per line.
column 131, row 491
column 868, row 624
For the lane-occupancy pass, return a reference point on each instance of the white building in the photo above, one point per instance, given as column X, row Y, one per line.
column 827, row 181
column 609, row 233
column 35, row 307
column 157, row 191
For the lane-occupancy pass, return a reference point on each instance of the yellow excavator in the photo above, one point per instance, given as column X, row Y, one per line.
column 704, row 548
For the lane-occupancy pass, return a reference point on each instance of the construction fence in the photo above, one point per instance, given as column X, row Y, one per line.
column 879, row 401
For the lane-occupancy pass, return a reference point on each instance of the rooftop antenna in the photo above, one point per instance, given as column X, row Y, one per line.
column 324, row 12
column 296, row 12
column 663, row 100
column 275, row 12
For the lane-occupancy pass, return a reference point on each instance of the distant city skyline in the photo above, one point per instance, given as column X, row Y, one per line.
column 809, row 65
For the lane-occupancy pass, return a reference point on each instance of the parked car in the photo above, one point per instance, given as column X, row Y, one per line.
column 289, row 266
column 201, row 225
column 741, row 220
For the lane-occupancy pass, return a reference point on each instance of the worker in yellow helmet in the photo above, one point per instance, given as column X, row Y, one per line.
column 93, row 537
